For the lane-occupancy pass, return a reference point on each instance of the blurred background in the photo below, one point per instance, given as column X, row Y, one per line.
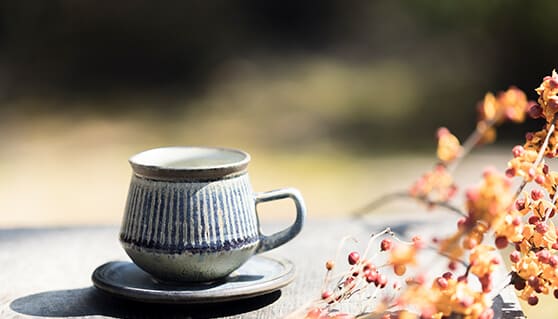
column 338, row 98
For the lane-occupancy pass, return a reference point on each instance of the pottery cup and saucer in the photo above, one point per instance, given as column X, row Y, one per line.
column 192, row 231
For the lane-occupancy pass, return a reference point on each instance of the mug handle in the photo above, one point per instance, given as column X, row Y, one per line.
column 269, row 242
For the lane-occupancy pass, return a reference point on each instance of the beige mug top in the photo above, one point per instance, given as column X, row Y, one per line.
column 189, row 163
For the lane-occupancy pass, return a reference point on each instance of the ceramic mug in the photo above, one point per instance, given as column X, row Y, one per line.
column 191, row 214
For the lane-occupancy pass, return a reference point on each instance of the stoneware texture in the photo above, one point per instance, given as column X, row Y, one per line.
column 259, row 276
column 191, row 214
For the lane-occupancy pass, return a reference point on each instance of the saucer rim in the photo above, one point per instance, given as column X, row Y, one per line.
column 275, row 282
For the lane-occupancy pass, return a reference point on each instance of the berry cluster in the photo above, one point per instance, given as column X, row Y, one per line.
column 535, row 258
column 514, row 209
column 362, row 275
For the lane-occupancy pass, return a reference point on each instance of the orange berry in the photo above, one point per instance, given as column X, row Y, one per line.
column 399, row 270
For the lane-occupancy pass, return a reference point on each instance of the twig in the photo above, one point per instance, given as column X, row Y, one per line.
column 469, row 144
column 327, row 278
column 378, row 202
column 373, row 238
column 448, row 256
column 540, row 154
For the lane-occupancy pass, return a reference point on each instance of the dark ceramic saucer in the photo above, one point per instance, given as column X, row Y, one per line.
column 258, row 276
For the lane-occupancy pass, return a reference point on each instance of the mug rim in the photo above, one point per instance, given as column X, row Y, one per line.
column 233, row 162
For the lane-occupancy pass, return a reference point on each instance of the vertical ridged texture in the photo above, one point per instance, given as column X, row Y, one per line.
column 190, row 216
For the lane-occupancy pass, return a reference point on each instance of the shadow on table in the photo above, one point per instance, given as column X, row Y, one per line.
column 89, row 301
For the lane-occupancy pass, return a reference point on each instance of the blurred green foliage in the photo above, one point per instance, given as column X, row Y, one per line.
column 360, row 74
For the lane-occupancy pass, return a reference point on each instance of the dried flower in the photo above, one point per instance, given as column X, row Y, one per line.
column 511, row 104
column 437, row 185
column 515, row 217
column 548, row 96
column 448, row 146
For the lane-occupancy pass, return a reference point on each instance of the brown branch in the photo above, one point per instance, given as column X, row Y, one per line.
column 385, row 199
column 448, row 256
column 469, row 144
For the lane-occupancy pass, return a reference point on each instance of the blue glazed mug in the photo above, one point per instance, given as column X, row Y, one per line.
column 191, row 213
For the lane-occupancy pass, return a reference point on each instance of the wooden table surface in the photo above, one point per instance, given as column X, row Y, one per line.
column 46, row 272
